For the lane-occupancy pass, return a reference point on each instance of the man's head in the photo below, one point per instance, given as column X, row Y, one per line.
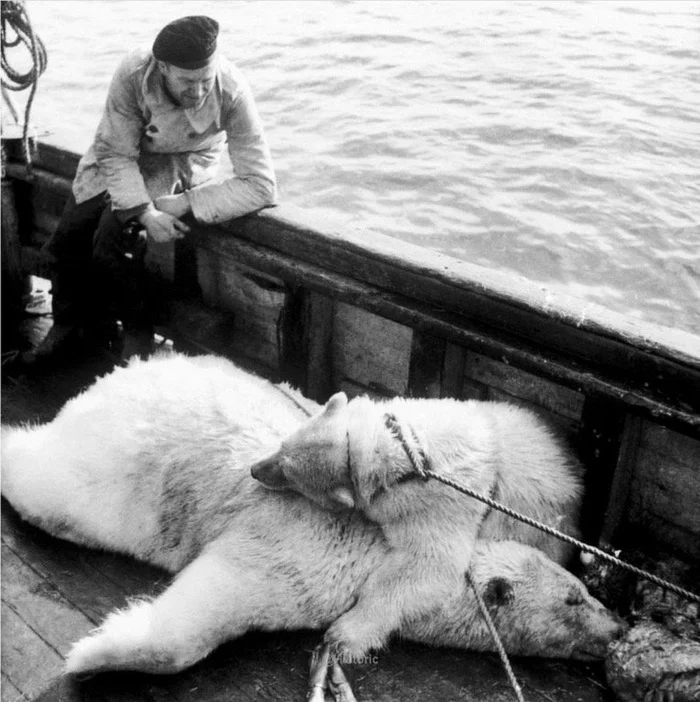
column 186, row 53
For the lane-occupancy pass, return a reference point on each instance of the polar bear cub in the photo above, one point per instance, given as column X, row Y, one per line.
column 365, row 455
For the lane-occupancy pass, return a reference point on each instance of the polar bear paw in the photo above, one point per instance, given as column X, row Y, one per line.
column 124, row 642
column 351, row 642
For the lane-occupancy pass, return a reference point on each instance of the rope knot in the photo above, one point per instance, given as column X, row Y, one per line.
column 413, row 448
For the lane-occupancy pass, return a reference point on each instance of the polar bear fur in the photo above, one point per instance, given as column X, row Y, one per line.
column 367, row 455
column 153, row 460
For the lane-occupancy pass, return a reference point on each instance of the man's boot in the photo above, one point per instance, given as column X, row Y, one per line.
column 62, row 341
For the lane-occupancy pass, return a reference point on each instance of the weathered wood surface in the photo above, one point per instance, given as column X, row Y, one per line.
column 494, row 313
column 667, row 514
column 10, row 251
column 54, row 592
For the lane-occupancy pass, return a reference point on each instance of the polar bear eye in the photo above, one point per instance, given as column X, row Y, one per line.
column 574, row 598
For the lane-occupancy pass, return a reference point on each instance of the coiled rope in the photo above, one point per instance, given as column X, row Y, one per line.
column 17, row 31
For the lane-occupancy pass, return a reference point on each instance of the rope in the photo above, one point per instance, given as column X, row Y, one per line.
column 424, row 472
column 419, row 462
column 16, row 30
column 564, row 537
column 293, row 400
column 415, row 452
column 496, row 638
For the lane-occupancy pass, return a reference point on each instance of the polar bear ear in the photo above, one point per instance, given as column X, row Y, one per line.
column 336, row 403
column 343, row 496
column 499, row 592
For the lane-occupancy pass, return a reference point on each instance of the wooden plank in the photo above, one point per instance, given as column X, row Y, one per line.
column 664, row 536
column 671, row 445
column 133, row 578
column 41, row 179
column 370, row 350
column 111, row 687
column 599, row 442
column 453, row 371
column 524, row 385
column 24, row 654
column 426, row 365
column 618, row 498
column 560, row 368
column 417, row 271
column 636, row 368
column 36, row 600
column 13, row 283
column 65, row 564
column 255, row 299
column 200, row 328
column 292, row 348
column 665, row 490
column 667, row 476
column 425, row 274
column 474, row 390
column 9, row 692
column 318, row 327
column 672, row 494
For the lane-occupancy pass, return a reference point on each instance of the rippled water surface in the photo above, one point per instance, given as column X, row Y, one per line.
column 559, row 141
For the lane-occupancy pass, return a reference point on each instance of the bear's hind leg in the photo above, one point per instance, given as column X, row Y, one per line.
column 199, row 611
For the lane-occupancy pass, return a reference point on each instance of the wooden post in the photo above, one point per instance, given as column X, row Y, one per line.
column 13, row 280
column 453, row 371
column 602, row 426
column 320, row 313
column 616, row 510
column 291, row 347
column 426, row 365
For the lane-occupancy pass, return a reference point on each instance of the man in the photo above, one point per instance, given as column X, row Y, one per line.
column 168, row 116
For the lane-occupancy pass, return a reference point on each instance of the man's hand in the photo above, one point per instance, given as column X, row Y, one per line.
column 162, row 226
column 176, row 205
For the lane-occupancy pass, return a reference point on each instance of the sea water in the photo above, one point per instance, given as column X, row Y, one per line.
column 558, row 141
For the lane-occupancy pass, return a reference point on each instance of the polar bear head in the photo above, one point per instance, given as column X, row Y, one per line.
column 538, row 608
column 348, row 456
column 313, row 461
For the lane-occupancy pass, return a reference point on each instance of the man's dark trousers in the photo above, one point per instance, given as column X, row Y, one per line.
column 98, row 273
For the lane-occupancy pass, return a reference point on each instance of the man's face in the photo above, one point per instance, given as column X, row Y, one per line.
column 189, row 88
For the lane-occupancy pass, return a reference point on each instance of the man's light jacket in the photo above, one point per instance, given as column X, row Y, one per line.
column 147, row 146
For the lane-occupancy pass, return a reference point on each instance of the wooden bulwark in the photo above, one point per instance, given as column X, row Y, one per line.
column 329, row 307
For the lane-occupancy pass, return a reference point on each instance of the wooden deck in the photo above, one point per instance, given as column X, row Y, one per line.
column 54, row 592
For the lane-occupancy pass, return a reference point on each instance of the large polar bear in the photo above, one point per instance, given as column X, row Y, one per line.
column 369, row 456
column 154, row 460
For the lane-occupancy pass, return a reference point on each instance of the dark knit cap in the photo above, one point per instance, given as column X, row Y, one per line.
column 188, row 42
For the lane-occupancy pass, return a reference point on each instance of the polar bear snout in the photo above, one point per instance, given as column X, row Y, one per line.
column 594, row 647
column 269, row 472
